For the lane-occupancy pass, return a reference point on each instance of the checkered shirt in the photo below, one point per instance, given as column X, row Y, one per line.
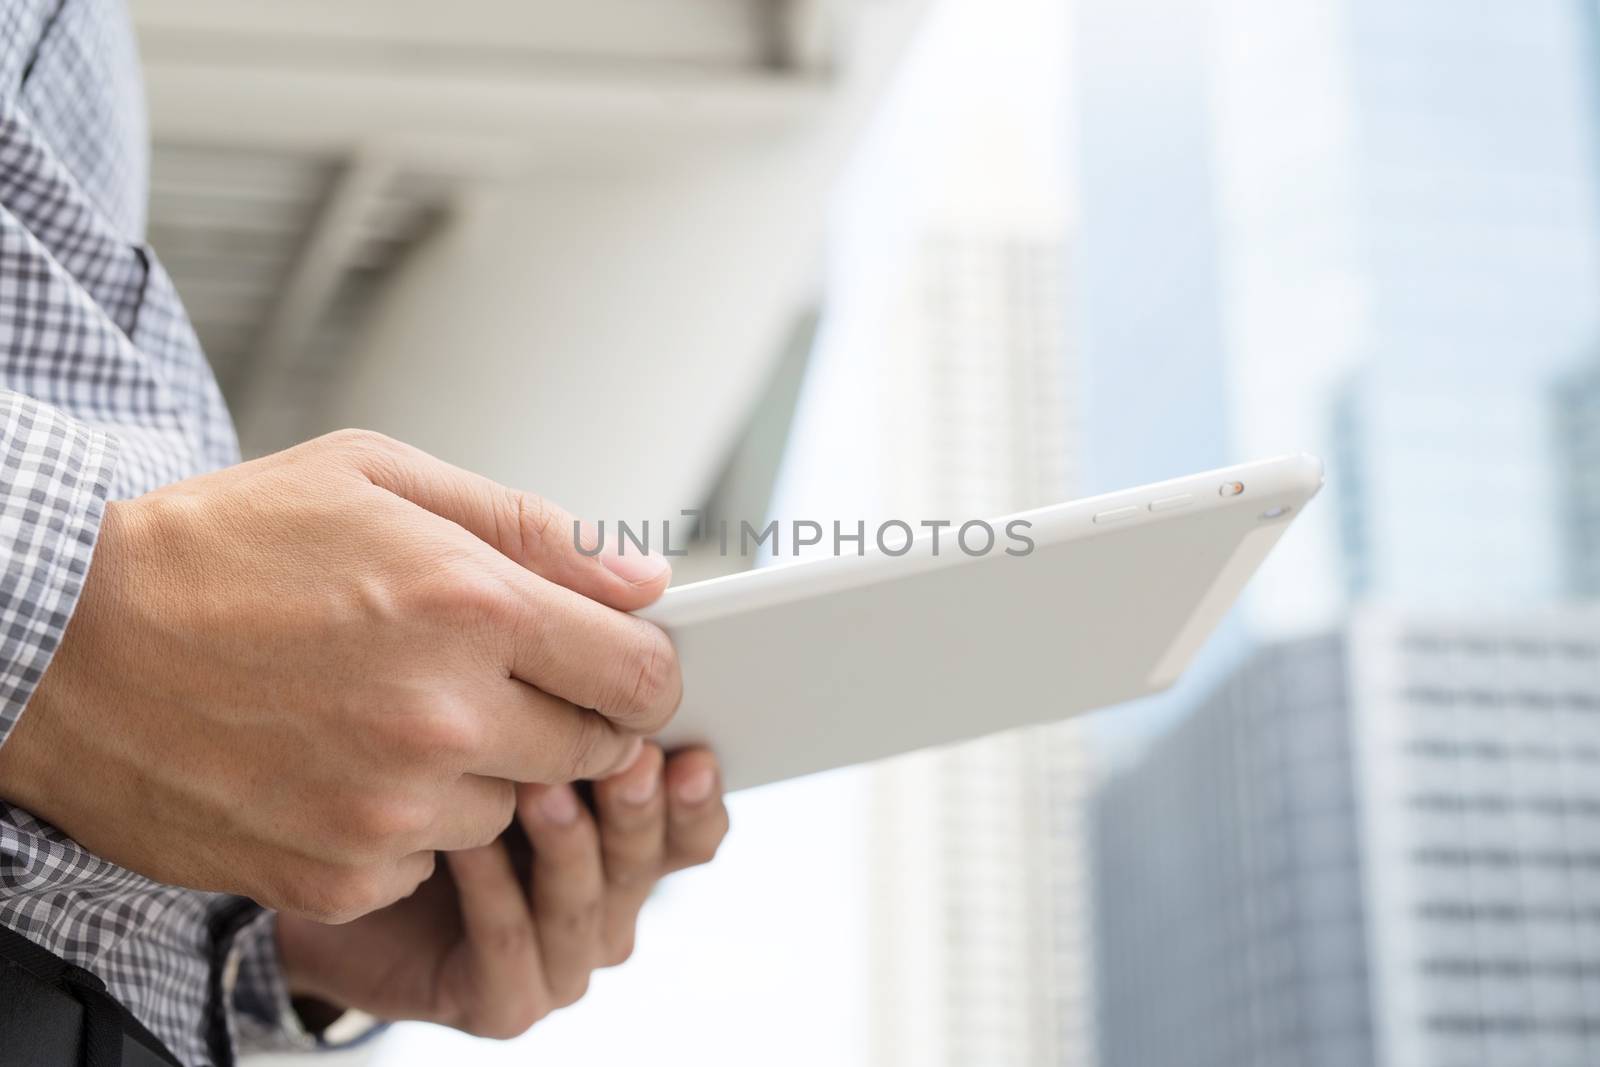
column 104, row 393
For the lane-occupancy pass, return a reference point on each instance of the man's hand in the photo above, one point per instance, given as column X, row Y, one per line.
column 491, row 950
column 296, row 678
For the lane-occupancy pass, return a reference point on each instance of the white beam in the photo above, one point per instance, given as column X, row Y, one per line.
column 424, row 33
column 464, row 122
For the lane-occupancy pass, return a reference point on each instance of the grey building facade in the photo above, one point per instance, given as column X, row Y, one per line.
column 1577, row 424
column 1228, row 880
column 1376, row 847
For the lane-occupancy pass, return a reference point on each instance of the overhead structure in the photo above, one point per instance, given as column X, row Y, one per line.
column 304, row 153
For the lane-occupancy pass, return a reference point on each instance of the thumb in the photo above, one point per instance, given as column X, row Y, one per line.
column 526, row 528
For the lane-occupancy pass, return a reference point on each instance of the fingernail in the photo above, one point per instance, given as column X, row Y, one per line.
column 559, row 805
column 640, row 790
column 634, row 566
column 697, row 787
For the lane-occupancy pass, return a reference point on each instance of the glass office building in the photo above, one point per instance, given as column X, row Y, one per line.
column 1381, row 846
column 1227, row 883
column 978, row 917
column 1412, row 182
column 1577, row 423
column 1448, row 487
column 1374, row 846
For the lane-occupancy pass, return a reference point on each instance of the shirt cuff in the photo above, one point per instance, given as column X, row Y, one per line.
column 55, row 476
column 261, row 1016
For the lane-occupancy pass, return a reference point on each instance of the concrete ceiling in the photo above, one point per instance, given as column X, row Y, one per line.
column 305, row 153
column 303, row 149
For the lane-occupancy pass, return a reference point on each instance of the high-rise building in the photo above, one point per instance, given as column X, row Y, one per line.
column 1446, row 487
column 1227, row 882
column 1577, row 408
column 980, row 944
column 947, row 351
column 1408, row 181
column 1380, row 846
column 1397, row 183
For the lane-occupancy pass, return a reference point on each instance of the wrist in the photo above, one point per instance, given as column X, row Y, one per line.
column 321, row 1015
column 29, row 757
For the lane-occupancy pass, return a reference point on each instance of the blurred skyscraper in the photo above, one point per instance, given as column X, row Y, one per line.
column 1377, row 847
column 1411, row 181
column 1382, row 845
column 1448, row 489
column 1227, row 881
column 978, row 918
column 1410, row 184
column 1577, row 402
column 950, row 342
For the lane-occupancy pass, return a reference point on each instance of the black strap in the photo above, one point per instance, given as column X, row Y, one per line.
column 59, row 993
column 224, row 924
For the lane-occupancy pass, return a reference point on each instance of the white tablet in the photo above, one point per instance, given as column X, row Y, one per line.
column 842, row 659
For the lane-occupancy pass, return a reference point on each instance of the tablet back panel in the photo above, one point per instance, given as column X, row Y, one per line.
column 801, row 668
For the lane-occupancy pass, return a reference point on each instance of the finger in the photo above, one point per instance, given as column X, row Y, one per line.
column 633, row 822
column 567, row 887
column 571, row 647
column 504, row 978
column 475, row 812
column 535, row 737
column 697, row 820
column 526, row 528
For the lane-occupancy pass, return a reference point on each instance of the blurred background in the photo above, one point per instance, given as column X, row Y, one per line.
column 858, row 258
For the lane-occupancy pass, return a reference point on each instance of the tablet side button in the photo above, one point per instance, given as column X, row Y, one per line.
column 1172, row 503
column 1115, row 515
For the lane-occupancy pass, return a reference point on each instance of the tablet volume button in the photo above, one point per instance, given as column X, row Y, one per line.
column 1116, row 515
column 1172, row 503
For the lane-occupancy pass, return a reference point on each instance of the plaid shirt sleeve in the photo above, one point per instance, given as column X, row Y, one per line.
column 55, row 476
column 260, row 1016
column 104, row 394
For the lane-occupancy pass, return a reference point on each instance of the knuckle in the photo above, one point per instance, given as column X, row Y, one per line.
column 425, row 871
column 500, row 810
column 536, row 520
column 587, row 747
column 389, row 823
column 512, row 1018
column 459, row 590
column 360, row 892
column 703, row 849
column 579, row 921
column 511, row 941
column 485, row 599
column 633, row 877
column 442, row 734
column 290, row 888
column 337, row 894
column 352, row 440
column 573, row 989
column 650, row 686
column 620, row 949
